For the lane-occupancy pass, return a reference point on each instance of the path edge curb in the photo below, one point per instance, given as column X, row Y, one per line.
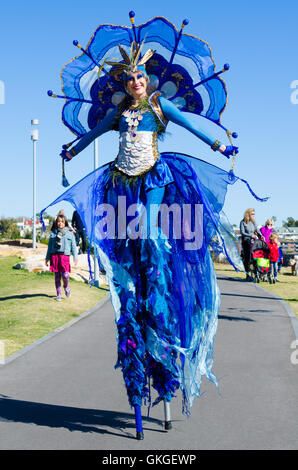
column 291, row 314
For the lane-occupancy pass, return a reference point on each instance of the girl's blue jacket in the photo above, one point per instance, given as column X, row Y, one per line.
column 68, row 245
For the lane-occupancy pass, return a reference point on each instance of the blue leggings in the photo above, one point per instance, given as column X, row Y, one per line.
column 154, row 196
column 65, row 277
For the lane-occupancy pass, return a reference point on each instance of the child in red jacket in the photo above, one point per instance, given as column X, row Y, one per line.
column 274, row 255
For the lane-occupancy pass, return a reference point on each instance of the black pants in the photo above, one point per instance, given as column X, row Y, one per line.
column 246, row 253
column 81, row 234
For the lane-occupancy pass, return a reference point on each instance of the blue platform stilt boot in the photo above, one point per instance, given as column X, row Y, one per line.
column 139, row 427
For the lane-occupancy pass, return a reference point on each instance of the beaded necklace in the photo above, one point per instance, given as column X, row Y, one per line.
column 133, row 117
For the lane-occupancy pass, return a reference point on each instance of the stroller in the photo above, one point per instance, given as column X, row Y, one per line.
column 261, row 262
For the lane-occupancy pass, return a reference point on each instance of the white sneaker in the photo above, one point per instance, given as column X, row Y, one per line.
column 67, row 292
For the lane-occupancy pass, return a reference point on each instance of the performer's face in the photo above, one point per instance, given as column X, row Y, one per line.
column 136, row 85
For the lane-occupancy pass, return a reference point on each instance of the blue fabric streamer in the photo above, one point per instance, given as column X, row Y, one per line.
column 233, row 178
column 42, row 221
column 65, row 182
column 261, row 199
column 91, row 277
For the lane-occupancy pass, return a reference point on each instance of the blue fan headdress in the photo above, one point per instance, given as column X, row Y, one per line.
column 177, row 64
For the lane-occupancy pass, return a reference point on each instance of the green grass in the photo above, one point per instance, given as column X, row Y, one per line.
column 286, row 289
column 28, row 310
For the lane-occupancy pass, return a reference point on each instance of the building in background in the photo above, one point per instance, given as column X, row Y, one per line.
column 288, row 237
column 26, row 226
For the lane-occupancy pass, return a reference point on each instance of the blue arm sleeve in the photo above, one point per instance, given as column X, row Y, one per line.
column 173, row 114
column 104, row 126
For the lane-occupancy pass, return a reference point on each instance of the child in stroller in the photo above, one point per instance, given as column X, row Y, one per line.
column 260, row 259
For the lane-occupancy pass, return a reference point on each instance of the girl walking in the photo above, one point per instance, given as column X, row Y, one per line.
column 61, row 245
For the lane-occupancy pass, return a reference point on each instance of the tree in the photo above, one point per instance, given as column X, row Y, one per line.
column 290, row 222
column 5, row 224
column 13, row 232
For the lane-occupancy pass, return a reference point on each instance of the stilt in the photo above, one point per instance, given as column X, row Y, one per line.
column 168, row 424
column 139, row 427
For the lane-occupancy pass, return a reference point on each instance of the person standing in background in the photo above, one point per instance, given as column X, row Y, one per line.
column 249, row 232
column 267, row 229
column 80, row 231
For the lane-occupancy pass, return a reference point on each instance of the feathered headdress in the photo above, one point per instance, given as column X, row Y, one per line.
column 182, row 68
column 133, row 62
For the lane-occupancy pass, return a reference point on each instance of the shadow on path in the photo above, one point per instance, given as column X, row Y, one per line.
column 226, row 317
column 73, row 419
column 25, row 296
column 250, row 296
column 222, row 277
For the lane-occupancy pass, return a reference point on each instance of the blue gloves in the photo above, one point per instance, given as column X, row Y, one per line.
column 229, row 151
column 63, row 155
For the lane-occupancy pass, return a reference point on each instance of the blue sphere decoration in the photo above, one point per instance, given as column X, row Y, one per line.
column 185, row 22
column 226, row 67
column 64, row 147
column 75, row 42
column 50, row 92
column 132, row 14
column 235, row 135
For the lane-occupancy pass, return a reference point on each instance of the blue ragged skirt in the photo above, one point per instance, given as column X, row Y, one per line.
column 159, row 268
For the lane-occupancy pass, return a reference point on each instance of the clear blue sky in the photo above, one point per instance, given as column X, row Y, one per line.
column 258, row 39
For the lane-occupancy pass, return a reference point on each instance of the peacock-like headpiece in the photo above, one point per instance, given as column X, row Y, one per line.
column 178, row 65
column 132, row 62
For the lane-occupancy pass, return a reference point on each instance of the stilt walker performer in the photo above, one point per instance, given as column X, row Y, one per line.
column 152, row 217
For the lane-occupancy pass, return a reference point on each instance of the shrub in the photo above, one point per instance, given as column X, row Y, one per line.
column 12, row 233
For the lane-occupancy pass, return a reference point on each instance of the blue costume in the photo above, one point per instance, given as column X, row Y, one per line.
column 165, row 297
column 161, row 276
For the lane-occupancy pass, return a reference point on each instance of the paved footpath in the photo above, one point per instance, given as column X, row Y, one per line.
column 65, row 394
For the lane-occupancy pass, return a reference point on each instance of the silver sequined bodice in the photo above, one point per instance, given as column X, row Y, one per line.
column 136, row 156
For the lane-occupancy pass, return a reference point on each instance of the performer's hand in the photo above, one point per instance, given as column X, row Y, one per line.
column 229, row 151
column 75, row 262
column 46, row 261
column 66, row 155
